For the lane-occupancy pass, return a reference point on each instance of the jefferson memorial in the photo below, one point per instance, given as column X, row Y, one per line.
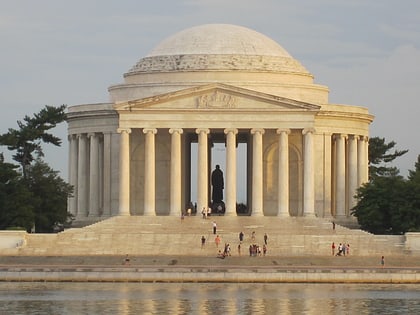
column 150, row 150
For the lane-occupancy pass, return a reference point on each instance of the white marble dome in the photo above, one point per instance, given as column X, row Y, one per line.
column 212, row 47
column 219, row 53
column 219, row 39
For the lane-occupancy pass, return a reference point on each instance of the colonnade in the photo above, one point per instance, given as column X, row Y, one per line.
column 90, row 172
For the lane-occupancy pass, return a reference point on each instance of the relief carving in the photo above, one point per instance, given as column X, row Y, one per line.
column 216, row 100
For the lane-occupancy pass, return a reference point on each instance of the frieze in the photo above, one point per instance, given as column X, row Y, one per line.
column 216, row 100
column 216, row 62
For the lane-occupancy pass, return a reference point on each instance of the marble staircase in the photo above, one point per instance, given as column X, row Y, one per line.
column 163, row 235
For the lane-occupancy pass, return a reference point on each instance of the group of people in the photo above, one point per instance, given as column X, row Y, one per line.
column 343, row 249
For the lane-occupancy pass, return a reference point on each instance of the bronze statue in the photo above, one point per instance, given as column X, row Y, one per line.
column 218, row 185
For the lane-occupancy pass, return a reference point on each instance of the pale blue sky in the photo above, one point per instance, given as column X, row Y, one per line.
column 69, row 52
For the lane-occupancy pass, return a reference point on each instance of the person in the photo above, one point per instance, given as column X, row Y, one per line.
column 218, row 185
column 217, row 241
column 265, row 238
column 340, row 249
column 189, row 212
column 126, row 260
column 203, row 241
column 221, row 255
column 214, row 227
column 333, row 225
column 333, row 248
column 253, row 236
column 204, row 212
column 264, row 250
column 348, row 249
column 241, row 237
column 239, row 249
column 382, row 261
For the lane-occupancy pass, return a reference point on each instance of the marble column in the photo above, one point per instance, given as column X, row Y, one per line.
column 308, row 173
column 124, row 185
column 72, row 202
column 107, row 175
column 149, row 173
column 362, row 160
column 202, row 170
column 82, row 179
column 283, row 173
column 230, row 171
column 94, row 175
column 176, row 178
column 257, row 172
column 340, row 175
column 352, row 169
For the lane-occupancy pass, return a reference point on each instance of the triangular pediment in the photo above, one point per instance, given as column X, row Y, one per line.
column 216, row 97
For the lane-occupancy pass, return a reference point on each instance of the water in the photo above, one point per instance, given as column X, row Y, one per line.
column 193, row 298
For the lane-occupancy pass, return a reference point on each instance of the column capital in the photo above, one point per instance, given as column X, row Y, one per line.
column 283, row 130
column 71, row 137
column 308, row 130
column 176, row 130
column 81, row 135
column 150, row 130
column 364, row 138
column 257, row 130
column 202, row 130
column 124, row 130
column 91, row 134
column 230, row 130
column 353, row 137
column 340, row 136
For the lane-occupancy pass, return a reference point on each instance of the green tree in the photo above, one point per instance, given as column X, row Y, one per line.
column 32, row 132
column 380, row 155
column 50, row 195
column 379, row 205
column 413, row 194
column 16, row 209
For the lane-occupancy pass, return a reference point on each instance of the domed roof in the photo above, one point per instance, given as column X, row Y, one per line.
column 219, row 39
column 217, row 47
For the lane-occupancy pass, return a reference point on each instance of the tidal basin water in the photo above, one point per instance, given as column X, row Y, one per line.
column 202, row 298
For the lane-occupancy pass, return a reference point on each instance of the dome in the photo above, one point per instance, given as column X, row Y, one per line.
column 219, row 39
column 217, row 47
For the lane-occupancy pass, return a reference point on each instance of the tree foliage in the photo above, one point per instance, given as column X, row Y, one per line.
column 390, row 204
column 49, row 196
column 35, row 195
column 32, row 132
column 380, row 155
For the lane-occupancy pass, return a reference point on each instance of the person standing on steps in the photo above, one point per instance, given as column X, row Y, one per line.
column 265, row 238
column 214, row 227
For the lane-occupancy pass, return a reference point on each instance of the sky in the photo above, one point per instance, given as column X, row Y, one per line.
column 56, row 52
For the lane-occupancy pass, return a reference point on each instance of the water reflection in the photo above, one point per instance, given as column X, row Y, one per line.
column 176, row 298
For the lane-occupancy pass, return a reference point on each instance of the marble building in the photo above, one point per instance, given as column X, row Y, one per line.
column 207, row 85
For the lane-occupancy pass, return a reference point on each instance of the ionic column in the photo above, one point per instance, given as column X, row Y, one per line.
column 124, row 185
column 149, row 172
column 283, row 173
column 72, row 201
column 230, row 171
column 94, row 175
column 107, row 175
column 202, row 169
column 352, row 169
column 308, row 173
column 340, row 175
column 362, row 160
column 176, row 180
column 82, row 188
column 257, row 172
